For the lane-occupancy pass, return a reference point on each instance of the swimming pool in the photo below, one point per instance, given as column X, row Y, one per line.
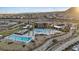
column 42, row 31
column 31, row 35
column 20, row 38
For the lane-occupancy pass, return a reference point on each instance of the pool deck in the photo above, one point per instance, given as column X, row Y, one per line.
column 35, row 32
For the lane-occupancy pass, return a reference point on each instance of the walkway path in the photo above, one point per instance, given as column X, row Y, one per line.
column 64, row 44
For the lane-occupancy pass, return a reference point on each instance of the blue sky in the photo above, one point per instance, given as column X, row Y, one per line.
column 30, row 9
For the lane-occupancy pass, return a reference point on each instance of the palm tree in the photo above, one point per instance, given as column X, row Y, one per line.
column 33, row 26
column 49, row 27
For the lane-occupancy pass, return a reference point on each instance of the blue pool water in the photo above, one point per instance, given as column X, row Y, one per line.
column 16, row 37
column 42, row 30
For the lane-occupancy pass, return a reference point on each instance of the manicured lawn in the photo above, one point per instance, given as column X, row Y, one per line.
column 8, row 32
column 5, row 46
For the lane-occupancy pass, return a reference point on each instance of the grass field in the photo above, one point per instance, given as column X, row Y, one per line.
column 8, row 32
